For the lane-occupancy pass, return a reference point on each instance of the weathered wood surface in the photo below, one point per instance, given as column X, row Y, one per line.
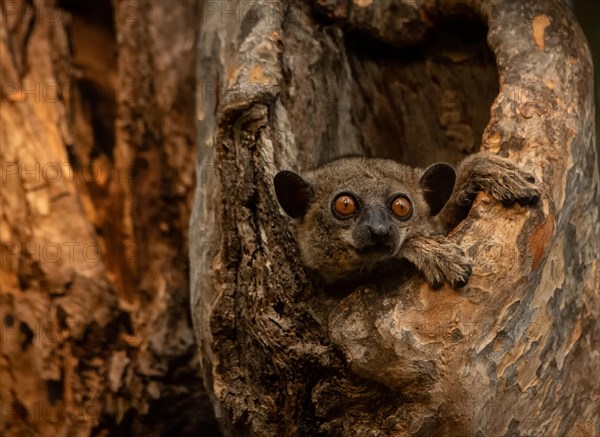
column 97, row 140
column 293, row 84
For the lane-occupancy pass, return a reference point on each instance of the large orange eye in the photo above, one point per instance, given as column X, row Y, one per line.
column 345, row 205
column 401, row 207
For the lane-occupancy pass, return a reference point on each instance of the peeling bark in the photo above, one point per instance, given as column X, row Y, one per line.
column 293, row 84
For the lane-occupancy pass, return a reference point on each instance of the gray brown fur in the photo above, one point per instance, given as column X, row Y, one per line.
column 335, row 248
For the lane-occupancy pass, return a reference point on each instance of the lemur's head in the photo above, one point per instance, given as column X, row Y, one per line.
column 354, row 213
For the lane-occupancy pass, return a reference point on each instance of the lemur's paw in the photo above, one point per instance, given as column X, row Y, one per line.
column 450, row 265
column 503, row 180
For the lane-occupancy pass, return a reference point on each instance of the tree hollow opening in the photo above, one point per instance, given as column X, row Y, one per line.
column 423, row 104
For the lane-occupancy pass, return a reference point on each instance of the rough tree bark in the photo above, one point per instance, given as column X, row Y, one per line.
column 295, row 83
column 97, row 133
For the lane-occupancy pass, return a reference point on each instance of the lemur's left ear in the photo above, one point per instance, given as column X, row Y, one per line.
column 437, row 183
column 294, row 193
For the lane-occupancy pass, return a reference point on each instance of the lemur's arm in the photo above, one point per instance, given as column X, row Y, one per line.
column 439, row 260
column 499, row 177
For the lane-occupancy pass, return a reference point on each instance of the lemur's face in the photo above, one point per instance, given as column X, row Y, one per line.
column 355, row 213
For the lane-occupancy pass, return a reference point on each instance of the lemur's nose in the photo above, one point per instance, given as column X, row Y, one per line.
column 379, row 228
column 379, row 231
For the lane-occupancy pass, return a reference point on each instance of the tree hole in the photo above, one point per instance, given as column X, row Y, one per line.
column 428, row 103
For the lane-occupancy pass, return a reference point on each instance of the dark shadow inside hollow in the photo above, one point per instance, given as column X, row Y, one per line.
column 428, row 103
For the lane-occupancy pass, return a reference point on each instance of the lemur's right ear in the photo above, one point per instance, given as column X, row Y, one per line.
column 294, row 194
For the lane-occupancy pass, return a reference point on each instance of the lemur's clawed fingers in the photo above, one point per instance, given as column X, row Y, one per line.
column 461, row 281
column 500, row 178
column 440, row 261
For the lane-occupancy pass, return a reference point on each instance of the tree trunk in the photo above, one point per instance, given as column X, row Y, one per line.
column 98, row 130
column 295, row 83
